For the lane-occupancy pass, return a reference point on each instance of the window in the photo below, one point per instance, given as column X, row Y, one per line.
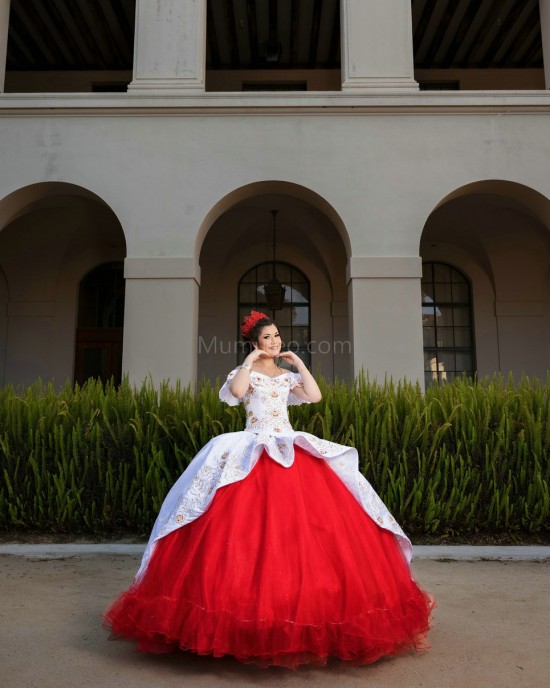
column 293, row 320
column 447, row 323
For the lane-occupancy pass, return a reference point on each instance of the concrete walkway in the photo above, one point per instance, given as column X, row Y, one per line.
column 491, row 628
column 452, row 552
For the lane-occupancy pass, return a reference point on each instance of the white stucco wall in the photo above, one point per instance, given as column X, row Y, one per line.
column 381, row 164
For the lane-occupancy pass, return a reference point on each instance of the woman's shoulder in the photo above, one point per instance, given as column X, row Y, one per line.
column 225, row 393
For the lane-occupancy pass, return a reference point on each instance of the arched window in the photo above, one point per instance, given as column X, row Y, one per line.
column 98, row 351
column 294, row 319
column 446, row 323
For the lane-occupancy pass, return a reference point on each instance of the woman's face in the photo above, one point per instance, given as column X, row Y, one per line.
column 269, row 340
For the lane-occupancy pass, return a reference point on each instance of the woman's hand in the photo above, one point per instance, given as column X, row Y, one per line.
column 310, row 391
column 293, row 359
column 255, row 354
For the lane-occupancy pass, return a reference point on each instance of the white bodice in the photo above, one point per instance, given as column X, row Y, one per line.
column 266, row 401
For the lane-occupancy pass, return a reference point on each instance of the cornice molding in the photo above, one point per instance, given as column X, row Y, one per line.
column 310, row 103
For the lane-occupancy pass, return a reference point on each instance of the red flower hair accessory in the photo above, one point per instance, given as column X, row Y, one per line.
column 251, row 320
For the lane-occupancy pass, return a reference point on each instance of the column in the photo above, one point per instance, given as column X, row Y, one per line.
column 386, row 317
column 377, row 47
column 169, row 47
column 161, row 319
column 4, row 26
column 544, row 9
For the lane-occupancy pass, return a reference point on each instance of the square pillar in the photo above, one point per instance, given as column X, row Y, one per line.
column 161, row 320
column 544, row 10
column 386, row 317
column 169, row 47
column 4, row 26
column 377, row 46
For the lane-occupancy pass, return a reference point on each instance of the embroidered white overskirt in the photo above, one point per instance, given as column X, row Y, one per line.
column 230, row 457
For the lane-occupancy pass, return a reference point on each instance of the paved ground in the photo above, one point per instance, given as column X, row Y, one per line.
column 491, row 629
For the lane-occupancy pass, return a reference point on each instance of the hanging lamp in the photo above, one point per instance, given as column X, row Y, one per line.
column 274, row 290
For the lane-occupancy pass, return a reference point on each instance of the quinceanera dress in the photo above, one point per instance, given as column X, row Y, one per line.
column 272, row 547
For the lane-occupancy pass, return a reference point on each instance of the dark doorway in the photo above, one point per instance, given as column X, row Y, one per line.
column 98, row 349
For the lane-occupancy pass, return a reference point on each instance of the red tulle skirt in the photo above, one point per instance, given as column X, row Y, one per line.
column 284, row 568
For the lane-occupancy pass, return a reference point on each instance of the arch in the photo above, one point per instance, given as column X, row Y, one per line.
column 237, row 235
column 277, row 187
column 52, row 234
column 27, row 198
column 532, row 201
column 496, row 231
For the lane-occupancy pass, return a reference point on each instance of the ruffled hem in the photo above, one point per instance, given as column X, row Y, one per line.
column 266, row 642
column 284, row 568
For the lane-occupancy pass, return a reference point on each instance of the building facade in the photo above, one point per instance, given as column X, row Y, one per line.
column 405, row 146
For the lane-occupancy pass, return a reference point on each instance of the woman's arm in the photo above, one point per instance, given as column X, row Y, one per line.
column 310, row 390
column 240, row 383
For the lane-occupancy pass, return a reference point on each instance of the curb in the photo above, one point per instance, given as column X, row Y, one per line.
column 433, row 552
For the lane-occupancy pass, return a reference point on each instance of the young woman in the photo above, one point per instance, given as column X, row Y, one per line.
column 272, row 547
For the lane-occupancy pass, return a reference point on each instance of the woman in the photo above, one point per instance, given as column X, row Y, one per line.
column 272, row 547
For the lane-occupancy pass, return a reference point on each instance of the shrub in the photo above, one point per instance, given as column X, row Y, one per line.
column 465, row 456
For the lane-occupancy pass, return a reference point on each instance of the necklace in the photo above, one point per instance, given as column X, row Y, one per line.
column 276, row 371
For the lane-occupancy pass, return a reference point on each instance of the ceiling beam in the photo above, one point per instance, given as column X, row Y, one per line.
column 334, row 58
column 87, row 37
column 441, row 31
column 253, row 32
column 127, row 28
column 212, row 38
column 420, row 31
column 232, row 31
column 465, row 25
column 507, row 25
column 517, row 45
column 314, row 35
column 115, row 56
column 18, row 55
column 294, row 32
column 481, row 34
column 44, row 49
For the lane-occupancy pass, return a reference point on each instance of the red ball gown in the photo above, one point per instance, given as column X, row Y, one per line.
column 273, row 547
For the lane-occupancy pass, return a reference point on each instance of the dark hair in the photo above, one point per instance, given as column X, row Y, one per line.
column 255, row 331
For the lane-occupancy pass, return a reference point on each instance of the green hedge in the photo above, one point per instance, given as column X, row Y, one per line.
column 464, row 457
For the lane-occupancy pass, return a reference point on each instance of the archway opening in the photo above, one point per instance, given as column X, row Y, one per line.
column 52, row 235
column 310, row 246
column 496, row 234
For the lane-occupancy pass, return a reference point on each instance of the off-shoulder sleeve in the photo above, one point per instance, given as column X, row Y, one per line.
column 225, row 394
column 295, row 381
